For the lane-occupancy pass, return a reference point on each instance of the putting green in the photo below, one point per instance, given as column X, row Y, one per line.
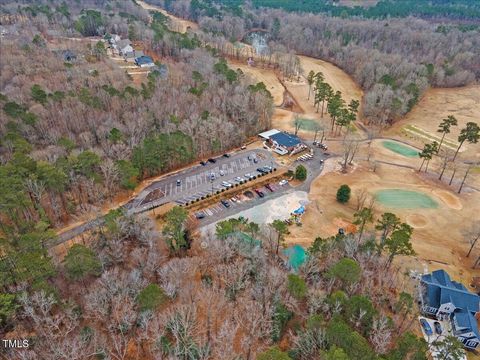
column 296, row 256
column 405, row 199
column 400, row 149
column 307, row 124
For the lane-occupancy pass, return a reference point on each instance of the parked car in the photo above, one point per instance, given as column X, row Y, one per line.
column 438, row 328
column 255, row 160
column 226, row 184
column 243, row 147
column 239, row 179
column 259, row 193
column 249, row 157
column 262, row 171
column 249, row 176
column 321, row 161
column 225, row 203
column 221, row 172
column 233, row 199
column 269, row 187
column 226, row 155
column 213, row 161
column 283, row 182
column 179, row 182
column 203, row 163
column 212, row 176
column 200, row 215
column 426, row 327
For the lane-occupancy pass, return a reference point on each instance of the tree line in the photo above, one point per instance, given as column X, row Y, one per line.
column 126, row 291
column 385, row 57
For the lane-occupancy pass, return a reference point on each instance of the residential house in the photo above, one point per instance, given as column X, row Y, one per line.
column 132, row 55
column 144, row 61
column 445, row 299
column 69, row 55
column 123, row 47
column 114, row 38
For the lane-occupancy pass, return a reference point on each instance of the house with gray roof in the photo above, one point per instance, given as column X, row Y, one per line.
column 445, row 299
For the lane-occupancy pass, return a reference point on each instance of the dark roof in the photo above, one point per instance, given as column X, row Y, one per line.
column 144, row 60
column 286, row 140
column 466, row 320
column 68, row 55
column 441, row 289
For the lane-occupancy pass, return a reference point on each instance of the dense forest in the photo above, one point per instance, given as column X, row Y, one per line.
column 393, row 60
column 133, row 293
column 75, row 132
column 457, row 9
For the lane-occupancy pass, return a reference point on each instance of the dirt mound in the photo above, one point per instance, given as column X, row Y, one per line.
column 417, row 221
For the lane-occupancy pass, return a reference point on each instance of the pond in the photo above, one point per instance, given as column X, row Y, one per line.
column 405, row 199
column 296, row 256
column 400, row 149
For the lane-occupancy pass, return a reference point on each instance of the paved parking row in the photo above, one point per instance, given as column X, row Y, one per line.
column 239, row 200
column 195, row 180
column 218, row 187
column 199, row 181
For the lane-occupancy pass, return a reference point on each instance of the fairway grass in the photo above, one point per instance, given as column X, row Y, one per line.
column 405, row 199
column 400, row 148
column 307, row 125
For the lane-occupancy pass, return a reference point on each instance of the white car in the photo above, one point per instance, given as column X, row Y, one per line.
column 226, row 184
column 283, row 182
column 248, row 175
column 239, row 179
column 222, row 172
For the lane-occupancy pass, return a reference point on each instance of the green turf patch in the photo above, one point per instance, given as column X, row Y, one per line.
column 400, row 148
column 308, row 125
column 405, row 199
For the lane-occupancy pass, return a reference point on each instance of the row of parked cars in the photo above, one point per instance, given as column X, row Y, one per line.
column 320, row 145
column 258, row 191
column 212, row 160
column 247, row 176
column 227, row 202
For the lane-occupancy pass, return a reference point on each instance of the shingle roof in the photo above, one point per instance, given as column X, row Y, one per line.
column 441, row 289
column 144, row 60
column 466, row 320
column 285, row 139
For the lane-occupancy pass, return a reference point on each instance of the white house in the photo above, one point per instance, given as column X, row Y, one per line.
column 123, row 47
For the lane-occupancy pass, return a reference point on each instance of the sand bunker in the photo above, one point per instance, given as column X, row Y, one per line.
column 449, row 199
column 417, row 221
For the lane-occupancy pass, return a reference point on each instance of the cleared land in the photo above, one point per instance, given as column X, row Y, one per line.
column 420, row 125
column 267, row 76
column 176, row 24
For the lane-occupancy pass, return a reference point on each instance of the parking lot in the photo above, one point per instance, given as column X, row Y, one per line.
column 199, row 180
column 243, row 199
